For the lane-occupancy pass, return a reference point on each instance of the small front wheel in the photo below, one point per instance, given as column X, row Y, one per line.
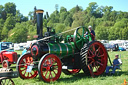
column 23, row 63
column 49, row 68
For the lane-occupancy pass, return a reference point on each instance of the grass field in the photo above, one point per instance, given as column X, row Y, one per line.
column 81, row 79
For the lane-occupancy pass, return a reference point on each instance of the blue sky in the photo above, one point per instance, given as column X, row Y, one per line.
column 49, row 5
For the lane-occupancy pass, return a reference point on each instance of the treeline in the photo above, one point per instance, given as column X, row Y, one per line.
column 107, row 23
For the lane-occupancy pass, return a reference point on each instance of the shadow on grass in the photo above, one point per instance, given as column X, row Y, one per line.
column 116, row 74
column 77, row 77
column 73, row 78
column 66, row 79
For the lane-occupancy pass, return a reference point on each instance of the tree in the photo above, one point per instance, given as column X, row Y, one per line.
column 106, row 11
column 102, row 33
column 1, row 27
column 10, row 8
column 18, row 16
column 68, row 21
column 19, row 33
column 3, row 14
column 8, row 25
column 62, row 17
column 91, row 9
column 63, row 9
column 30, row 15
column 125, row 34
column 59, row 28
column 78, row 19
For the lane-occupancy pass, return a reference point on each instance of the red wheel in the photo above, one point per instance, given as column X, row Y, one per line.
column 49, row 68
column 70, row 71
column 96, row 57
column 22, row 64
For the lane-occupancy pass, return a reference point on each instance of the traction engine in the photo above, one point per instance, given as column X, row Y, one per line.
column 49, row 56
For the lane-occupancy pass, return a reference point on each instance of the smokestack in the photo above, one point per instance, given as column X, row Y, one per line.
column 39, row 14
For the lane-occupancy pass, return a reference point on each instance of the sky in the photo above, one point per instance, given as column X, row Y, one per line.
column 25, row 6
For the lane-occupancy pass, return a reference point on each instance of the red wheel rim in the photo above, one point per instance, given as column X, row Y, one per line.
column 97, row 58
column 51, row 68
column 73, row 71
column 24, row 62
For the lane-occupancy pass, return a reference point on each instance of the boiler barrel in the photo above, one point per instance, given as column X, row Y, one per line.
column 61, row 49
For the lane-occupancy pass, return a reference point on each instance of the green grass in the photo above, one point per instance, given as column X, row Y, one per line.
column 81, row 79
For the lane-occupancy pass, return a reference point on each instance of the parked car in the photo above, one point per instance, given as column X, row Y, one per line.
column 8, row 46
column 111, row 47
column 122, row 49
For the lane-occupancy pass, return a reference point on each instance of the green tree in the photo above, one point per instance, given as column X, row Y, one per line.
column 91, row 9
column 18, row 16
column 19, row 33
column 10, row 8
column 30, row 15
column 3, row 14
column 68, row 21
column 8, row 25
column 78, row 19
column 102, row 33
column 63, row 16
column 1, row 27
column 63, row 9
column 59, row 28
column 106, row 11
column 125, row 34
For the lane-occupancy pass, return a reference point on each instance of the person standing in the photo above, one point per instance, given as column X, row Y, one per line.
column 92, row 32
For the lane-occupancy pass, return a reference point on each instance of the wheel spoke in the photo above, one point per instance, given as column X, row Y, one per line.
column 78, row 41
column 89, row 57
column 91, row 63
column 8, row 81
column 54, row 72
column 79, row 35
column 101, row 55
column 24, row 73
column 100, row 63
column 97, row 51
column 22, row 66
column 46, row 72
column 94, row 48
column 95, row 66
column 90, row 51
column 51, row 61
column 23, row 69
column 4, row 81
column 49, row 75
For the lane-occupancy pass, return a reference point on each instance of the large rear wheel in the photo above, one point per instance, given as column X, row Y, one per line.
column 25, row 62
column 49, row 68
column 95, row 55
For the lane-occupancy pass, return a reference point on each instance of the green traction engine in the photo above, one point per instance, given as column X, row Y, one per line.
column 52, row 54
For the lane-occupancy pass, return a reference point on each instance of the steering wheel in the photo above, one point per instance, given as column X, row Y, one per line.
column 79, row 39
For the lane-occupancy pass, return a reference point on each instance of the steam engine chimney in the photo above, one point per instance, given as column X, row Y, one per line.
column 39, row 14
